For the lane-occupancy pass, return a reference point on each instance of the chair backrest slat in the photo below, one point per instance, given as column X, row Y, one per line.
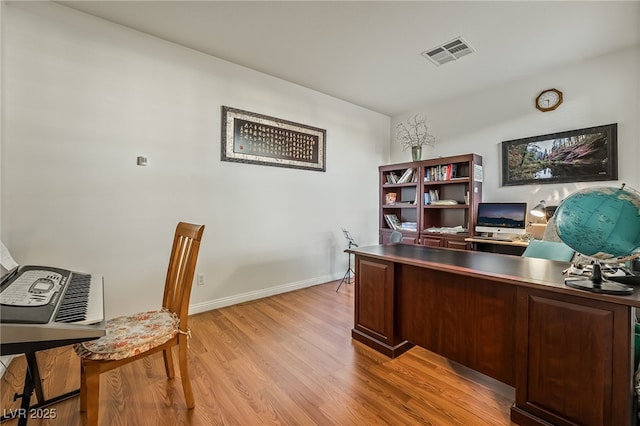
column 182, row 267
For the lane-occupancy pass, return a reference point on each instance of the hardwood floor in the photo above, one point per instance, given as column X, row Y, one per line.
column 287, row 359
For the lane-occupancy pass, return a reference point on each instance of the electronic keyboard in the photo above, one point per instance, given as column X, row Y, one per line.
column 43, row 305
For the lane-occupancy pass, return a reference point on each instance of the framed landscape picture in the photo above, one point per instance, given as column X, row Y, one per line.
column 582, row 155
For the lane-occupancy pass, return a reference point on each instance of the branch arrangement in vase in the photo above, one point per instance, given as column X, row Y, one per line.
column 415, row 133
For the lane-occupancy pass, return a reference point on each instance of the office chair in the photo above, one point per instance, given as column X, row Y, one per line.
column 352, row 243
column 395, row 237
column 130, row 338
column 552, row 250
column 550, row 232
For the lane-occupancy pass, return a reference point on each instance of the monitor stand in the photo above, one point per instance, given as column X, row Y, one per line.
column 597, row 284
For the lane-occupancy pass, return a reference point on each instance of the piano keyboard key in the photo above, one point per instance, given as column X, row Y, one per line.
column 73, row 307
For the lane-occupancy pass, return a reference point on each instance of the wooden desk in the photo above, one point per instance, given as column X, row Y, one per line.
column 498, row 246
column 567, row 352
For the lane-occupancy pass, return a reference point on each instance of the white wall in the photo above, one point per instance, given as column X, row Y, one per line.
column 599, row 91
column 4, row 360
column 82, row 98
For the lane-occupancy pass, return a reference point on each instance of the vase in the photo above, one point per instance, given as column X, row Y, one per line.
column 416, row 153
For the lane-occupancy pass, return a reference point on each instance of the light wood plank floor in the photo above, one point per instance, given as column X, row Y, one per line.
column 287, row 359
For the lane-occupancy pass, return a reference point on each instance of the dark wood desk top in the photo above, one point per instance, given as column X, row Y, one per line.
column 516, row 270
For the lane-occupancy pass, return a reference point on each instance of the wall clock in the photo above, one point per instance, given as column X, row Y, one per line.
column 548, row 100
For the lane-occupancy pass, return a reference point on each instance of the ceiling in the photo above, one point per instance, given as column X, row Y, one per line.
column 368, row 53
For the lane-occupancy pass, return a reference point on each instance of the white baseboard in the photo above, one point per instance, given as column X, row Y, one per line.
column 197, row 308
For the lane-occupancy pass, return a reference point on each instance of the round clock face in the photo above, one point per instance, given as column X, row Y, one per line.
column 549, row 100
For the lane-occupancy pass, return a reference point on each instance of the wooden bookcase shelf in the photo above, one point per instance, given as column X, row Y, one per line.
column 459, row 206
column 437, row 196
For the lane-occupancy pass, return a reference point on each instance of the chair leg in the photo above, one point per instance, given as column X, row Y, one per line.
column 83, row 388
column 184, row 371
column 168, row 363
column 92, row 399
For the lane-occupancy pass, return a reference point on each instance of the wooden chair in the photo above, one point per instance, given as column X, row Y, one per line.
column 132, row 337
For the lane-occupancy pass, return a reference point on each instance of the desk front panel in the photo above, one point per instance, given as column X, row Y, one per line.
column 373, row 316
column 466, row 319
column 375, row 324
column 574, row 360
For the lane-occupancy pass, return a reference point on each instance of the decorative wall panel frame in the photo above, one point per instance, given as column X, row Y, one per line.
column 248, row 137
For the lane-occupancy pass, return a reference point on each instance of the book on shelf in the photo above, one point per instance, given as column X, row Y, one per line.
column 434, row 195
column 395, row 224
column 392, row 220
column 444, row 203
column 392, row 177
column 447, row 229
column 408, row 226
column 453, row 171
column 406, row 176
column 441, row 172
column 444, row 171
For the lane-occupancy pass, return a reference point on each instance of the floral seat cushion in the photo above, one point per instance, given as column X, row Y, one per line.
column 131, row 335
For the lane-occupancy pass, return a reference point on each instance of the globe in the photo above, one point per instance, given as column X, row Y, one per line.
column 603, row 223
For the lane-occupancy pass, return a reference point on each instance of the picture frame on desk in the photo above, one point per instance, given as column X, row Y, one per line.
column 582, row 155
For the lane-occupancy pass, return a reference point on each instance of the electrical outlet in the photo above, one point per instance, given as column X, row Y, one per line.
column 200, row 279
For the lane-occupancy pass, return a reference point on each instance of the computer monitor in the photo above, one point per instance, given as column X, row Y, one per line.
column 502, row 218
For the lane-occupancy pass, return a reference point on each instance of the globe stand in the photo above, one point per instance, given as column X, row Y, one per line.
column 597, row 284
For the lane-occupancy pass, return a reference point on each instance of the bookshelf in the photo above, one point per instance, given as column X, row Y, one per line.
column 436, row 202
column 399, row 196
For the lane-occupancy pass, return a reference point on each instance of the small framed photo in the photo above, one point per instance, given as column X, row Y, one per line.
column 390, row 198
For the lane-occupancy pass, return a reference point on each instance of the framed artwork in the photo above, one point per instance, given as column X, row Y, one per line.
column 248, row 137
column 581, row 155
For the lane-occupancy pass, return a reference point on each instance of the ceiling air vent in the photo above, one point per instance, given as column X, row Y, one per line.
column 447, row 52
